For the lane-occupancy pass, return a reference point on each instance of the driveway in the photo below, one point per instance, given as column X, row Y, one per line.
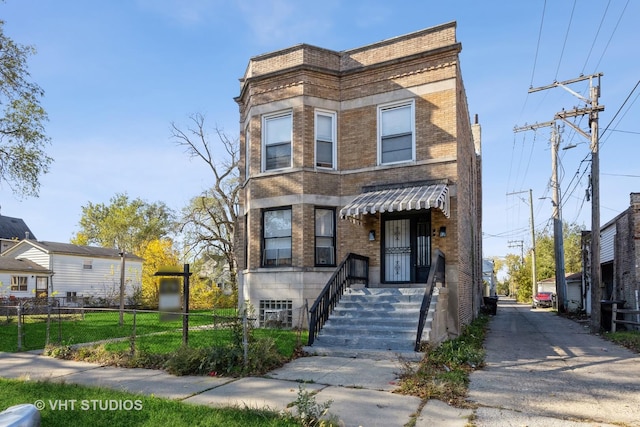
column 545, row 370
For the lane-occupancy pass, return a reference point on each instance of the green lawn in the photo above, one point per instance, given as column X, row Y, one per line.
column 163, row 343
column 146, row 411
column 94, row 326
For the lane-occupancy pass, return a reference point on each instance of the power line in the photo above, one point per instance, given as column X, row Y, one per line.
column 566, row 36
column 535, row 58
column 595, row 38
column 612, row 34
column 620, row 109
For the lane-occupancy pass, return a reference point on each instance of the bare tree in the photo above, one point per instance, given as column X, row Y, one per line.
column 208, row 223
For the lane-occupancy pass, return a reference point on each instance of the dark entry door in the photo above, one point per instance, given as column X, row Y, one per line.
column 406, row 248
column 397, row 250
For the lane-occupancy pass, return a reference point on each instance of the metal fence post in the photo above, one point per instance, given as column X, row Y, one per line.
column 46, row 338
column 245, row 338
column 19, row 311
column 133, row 334
column 59, row 328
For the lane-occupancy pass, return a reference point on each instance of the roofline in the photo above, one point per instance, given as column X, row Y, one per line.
column 128, row 255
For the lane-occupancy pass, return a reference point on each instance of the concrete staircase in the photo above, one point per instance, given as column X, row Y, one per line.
column 374, row 320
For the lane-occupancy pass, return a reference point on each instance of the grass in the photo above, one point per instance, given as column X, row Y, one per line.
column 286, row 340
column 628, row 339
column 93, row 326
column 443, row 373
column 152, row 411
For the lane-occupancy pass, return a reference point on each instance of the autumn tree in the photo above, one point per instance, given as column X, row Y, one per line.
column 157, row 254
column 519, row 271
column 124, row 224
column 22, row 138
column 208, row 222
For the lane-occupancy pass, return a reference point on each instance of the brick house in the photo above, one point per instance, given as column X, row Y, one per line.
column 368, row 151
column 619, row 258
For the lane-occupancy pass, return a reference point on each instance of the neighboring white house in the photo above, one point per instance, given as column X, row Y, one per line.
column 66, row 270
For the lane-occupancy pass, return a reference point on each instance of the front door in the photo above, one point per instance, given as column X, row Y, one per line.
column 397, row 250
column 406, row 251
column 42, row 287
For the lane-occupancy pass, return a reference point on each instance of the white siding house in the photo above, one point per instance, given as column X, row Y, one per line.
column 75, row 271
column 19, row 278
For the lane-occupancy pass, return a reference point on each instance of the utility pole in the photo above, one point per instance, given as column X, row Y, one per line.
column 592, row 110
column 558, row 237
column 516, row 244
column 534, row 285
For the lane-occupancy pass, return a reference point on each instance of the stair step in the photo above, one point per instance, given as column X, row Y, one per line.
column 372, row 343
column 374, row 319
column 369, row 330
column 371, row 322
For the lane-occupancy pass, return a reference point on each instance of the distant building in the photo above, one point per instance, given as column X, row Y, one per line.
column 619, row 258
column 44, row 269
column 489, row 277
column 12, row 230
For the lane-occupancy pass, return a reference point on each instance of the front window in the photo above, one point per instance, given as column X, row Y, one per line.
column 18, row 283
column 325, row 139
column 325, row 237
column 277, row 237
column 396, row 133
column 277, row 130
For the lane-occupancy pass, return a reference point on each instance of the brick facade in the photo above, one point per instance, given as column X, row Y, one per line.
column 420, row 68
column 626, row 281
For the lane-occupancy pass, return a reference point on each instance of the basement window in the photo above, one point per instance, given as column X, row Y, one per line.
column 276, row 313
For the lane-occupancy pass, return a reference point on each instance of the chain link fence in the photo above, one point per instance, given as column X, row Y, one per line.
column 33, row 324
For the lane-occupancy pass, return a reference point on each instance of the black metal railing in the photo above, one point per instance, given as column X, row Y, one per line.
column 353, row 269
column 436, row 275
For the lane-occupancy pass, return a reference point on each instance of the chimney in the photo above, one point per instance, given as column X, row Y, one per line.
column 26, row 235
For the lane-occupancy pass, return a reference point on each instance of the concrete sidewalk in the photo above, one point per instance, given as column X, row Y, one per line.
column 361, row 389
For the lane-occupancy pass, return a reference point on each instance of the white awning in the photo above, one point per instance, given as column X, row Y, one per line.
column 399, row 199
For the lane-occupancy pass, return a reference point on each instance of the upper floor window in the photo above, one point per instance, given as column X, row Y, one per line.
column 87, row 264
column 396, row 130
column 18, row 283
column 325, row 139
column 277, row 131
column 277, row 237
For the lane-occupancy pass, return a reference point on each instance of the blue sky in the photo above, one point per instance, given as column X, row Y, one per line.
column 117, row 73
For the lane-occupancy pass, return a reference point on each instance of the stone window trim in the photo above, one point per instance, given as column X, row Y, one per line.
column 277, row 140
column 325, row 139
column 277, row 230
column 325, row 236
column 396, row 132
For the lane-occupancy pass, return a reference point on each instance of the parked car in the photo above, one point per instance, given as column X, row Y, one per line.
column 542, row 299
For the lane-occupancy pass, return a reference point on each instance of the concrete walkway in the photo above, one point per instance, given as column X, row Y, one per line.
column 361, row 389
column 542, row 370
